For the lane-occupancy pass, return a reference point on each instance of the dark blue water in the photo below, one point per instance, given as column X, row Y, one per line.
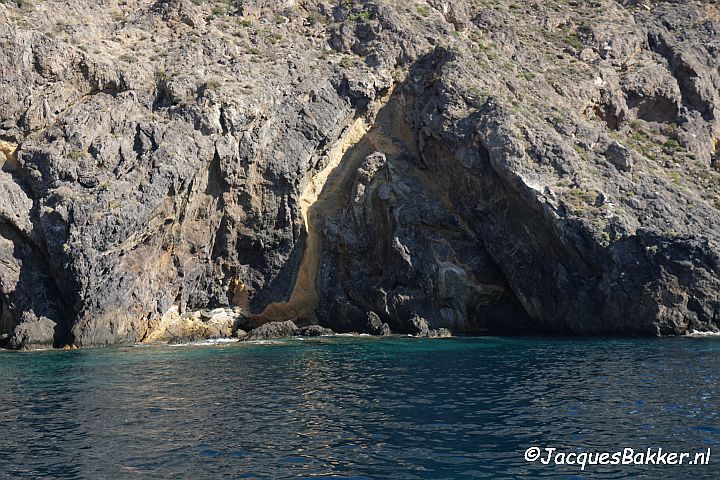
column 358, row 408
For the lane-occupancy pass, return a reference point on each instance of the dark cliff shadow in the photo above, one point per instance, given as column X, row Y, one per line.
column 35, row 292
column 341, row 272
column 27, row 287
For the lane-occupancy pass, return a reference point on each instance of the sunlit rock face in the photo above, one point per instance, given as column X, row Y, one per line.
column 525, row 167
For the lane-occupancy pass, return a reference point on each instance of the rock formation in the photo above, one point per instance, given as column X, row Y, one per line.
column 483, row 165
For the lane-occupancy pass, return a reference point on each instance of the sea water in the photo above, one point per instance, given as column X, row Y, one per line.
column 359, row 407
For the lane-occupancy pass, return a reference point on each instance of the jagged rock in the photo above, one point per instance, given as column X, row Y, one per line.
column 455, row 12
column 193, row 326
column 218, row 315
column 376, row 326
column 421, row 328
column 273, row 330
column 313, row 331
column 254, row 8
column 179, row 11
column 441, row 333
column 653, row 94
column 316, row 161
column 420, row 325
column 620, row 156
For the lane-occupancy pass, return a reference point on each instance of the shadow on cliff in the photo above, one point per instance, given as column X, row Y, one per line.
column 28, row 291
column 364, row 254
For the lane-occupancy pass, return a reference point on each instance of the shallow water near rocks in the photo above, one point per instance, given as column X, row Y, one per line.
column 358, row 407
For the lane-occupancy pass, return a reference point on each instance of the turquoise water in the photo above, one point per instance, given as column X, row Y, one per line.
column 358, row 408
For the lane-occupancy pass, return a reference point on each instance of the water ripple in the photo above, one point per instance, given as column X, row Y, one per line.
column 356, row 408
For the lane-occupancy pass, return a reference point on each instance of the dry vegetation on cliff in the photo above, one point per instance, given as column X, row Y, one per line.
column 541, row 165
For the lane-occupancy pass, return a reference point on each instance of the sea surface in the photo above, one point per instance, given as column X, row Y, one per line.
column 358, row 407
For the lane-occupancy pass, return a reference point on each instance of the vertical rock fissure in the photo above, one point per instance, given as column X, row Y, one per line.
column 323, row 192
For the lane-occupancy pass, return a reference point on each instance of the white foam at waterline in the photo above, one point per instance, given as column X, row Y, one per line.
column 698, row 333
column 212, row 341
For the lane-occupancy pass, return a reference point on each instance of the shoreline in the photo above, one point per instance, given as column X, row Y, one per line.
column 216, row 342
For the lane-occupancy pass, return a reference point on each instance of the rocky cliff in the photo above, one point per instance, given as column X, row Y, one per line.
column 480, row 165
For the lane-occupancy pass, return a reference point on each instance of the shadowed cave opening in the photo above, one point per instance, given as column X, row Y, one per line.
column 350, row 256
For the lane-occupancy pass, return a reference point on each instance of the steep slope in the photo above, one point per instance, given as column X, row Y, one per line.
column 486, row 165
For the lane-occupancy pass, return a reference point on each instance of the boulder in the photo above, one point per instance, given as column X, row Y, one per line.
column 33, row 333
column 313, row 331
column 273, row 330
column 620, row 156
column 420, row 326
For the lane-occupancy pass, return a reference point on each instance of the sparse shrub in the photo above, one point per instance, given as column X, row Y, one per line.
column 359, row 16
column 672, row 146
column 274, row 38
column 348, row 62
column 423, row 10
column 315, row 18
column 219, row 10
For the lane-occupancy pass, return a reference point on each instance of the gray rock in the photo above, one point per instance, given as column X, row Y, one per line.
column 178, row 11
column 273, row 330
column 33, row 333
column 620, row 156
column 420, row 326
column 313, row 331
column 454, row 12
column 442, row 333
column 375, row 326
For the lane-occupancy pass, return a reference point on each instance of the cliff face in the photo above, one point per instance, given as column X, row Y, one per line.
column 485, row 165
